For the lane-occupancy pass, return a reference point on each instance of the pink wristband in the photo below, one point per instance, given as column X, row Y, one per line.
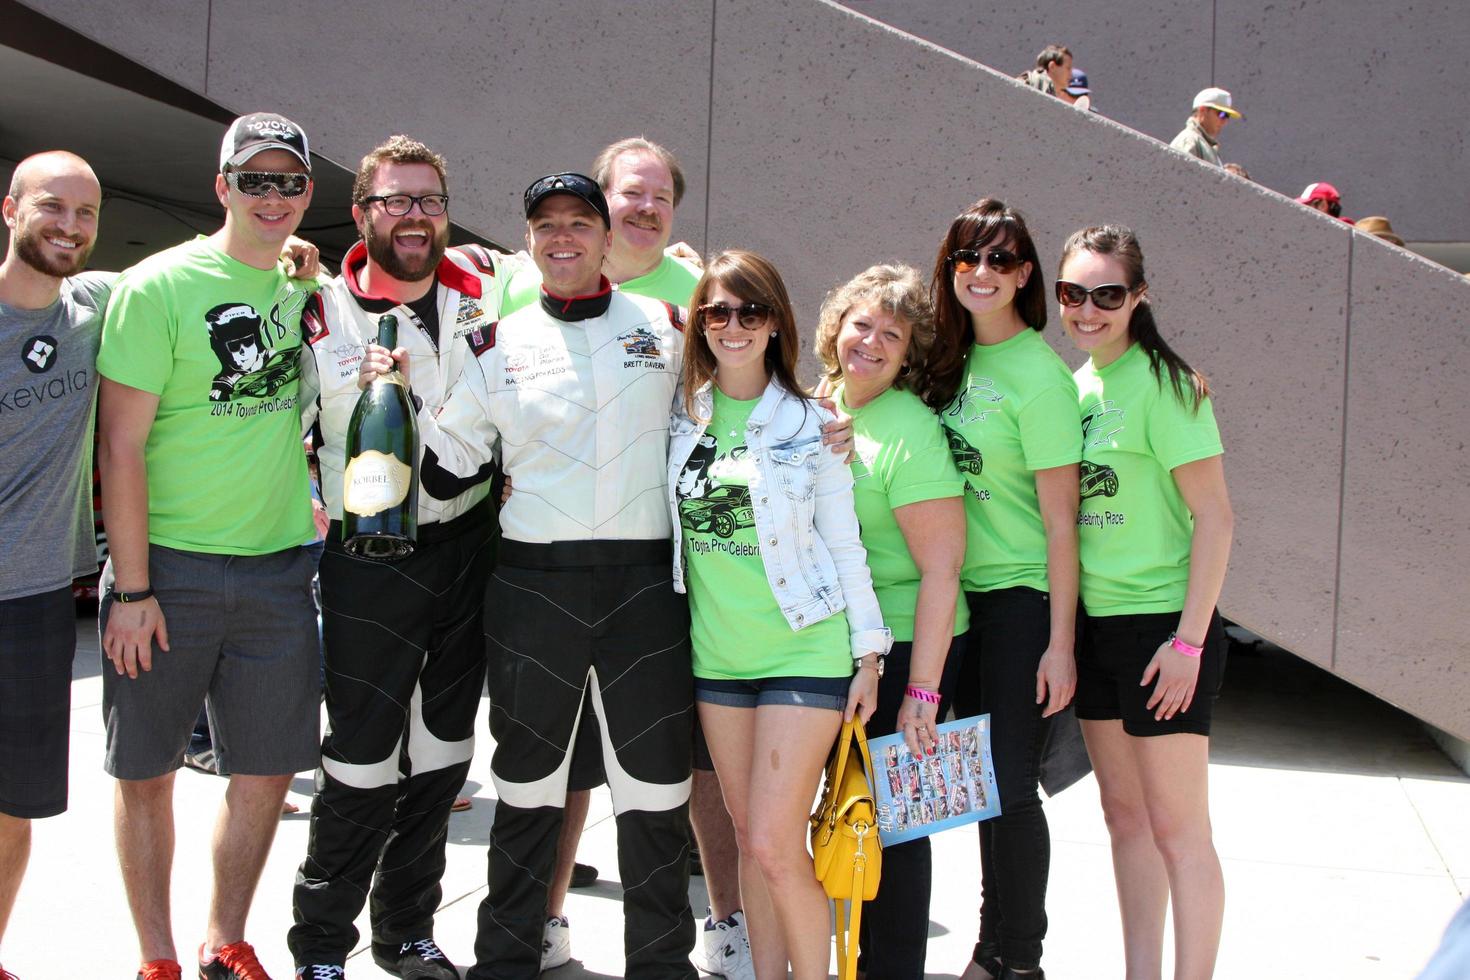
column 1184, row 648
column 919, row 694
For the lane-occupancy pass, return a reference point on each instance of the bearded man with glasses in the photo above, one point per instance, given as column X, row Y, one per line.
column 405, row 658
column 208, row 590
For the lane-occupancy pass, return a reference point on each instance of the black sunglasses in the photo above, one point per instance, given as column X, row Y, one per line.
column 255, row 183
column 1001, row 261
column 432, row 205
column 1108, row 296
column 750, row 316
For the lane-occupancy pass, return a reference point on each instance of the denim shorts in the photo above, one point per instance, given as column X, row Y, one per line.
column 803, row 692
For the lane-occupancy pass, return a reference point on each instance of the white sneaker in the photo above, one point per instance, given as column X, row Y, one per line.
column 556, row 943
column 725, row 949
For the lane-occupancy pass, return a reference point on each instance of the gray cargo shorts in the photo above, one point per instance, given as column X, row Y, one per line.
column 242, row 639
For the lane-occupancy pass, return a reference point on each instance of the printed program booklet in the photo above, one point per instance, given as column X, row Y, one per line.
column 918, row 796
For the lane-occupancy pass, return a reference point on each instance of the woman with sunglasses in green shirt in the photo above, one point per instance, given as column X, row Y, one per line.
column 1009, row 406
column 1155, row 527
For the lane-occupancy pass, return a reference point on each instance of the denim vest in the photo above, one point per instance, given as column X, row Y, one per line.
column 801, row 494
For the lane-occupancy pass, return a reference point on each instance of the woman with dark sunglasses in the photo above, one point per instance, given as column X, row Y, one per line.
column 1155, row 526
column 1010, row 407
column 787, row 634
column 873, row 338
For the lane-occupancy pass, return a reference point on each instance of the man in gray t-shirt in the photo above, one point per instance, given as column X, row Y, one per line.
column 50, row 325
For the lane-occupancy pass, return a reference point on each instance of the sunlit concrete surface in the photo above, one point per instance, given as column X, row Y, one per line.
column 1345, row 836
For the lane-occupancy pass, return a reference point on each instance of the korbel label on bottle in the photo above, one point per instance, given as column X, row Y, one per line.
column 373, row 482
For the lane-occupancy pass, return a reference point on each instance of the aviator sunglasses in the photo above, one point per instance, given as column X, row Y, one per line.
column 1108, row 296
column 750, row 316
column 256, row 183
column 1001, row 261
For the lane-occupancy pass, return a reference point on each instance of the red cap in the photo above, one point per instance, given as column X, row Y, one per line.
column 1320, row 191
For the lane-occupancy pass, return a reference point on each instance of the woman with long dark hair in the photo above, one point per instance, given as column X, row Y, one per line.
column 874, row 337
column 786, row 632
column 1155, row 526
column 1010, row 406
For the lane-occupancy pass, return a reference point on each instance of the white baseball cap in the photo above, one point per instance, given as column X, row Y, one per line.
column 1217, row 98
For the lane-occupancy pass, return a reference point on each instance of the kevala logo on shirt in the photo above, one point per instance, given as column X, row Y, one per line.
column 38, row 353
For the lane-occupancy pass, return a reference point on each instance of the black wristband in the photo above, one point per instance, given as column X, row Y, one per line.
column 131, row 596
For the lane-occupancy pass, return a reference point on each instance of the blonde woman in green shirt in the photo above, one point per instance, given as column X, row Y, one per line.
column 1155, row 526
column 1009, row 406
column 874, row 337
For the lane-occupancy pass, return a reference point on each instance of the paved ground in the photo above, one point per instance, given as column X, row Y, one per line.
column 1345, row 836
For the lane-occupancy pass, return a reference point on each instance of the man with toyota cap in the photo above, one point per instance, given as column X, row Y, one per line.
column 207, row 591
column 403, row 645
column 1200, row 137
column 574, row 391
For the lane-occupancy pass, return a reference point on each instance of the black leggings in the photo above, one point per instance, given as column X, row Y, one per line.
column 895, row 929
column 1009, row 631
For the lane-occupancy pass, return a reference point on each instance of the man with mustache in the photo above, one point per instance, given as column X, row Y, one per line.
column 402, row 641
column 50, row 325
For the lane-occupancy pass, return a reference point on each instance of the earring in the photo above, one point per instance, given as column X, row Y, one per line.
column 904, row 371
column 773, row 333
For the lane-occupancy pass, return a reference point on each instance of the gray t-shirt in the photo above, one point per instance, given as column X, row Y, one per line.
column 48, row 389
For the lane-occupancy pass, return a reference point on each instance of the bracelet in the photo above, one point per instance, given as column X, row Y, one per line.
column 919, row 694
column 125, row 597
column 1185, row 648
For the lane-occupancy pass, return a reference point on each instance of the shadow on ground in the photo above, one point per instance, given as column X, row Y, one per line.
column 1277, row 711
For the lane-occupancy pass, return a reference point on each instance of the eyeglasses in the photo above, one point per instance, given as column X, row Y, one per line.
column 1109, row 296
column 750, row 316
column 432, row 205
column 1223, row 115
column 255, row 183
column 1001, row 261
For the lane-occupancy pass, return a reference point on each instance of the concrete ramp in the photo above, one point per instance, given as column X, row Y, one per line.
column 829, row 141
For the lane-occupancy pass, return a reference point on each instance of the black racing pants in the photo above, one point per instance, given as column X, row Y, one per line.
column 405, row 668
column 600, row 619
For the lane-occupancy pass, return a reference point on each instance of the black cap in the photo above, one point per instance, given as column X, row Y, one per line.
column 577, row 185
column 259, row 131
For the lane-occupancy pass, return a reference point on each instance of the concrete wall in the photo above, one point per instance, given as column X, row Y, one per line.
column 829, row 141
column 1364, row 94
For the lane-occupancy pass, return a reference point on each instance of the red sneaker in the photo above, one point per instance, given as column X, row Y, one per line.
column 161, row 970
column 235, row 961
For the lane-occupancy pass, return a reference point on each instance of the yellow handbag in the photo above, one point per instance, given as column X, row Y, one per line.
column 845, row 850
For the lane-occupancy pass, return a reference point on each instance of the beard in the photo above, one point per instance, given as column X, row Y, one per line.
column 29, row 248
column 381, row 251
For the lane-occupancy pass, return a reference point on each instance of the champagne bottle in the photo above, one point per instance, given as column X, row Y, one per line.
column 380, row 492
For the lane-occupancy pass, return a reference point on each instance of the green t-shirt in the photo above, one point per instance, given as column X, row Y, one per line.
column 218, row 342
column 1015, row 413
column 1134, row 526
column 671, row 281
column 736, row 626
column 903, row 458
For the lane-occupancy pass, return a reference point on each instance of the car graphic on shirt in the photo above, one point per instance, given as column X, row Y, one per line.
column 722, row 511
column 1098, row 481
column 966, row 457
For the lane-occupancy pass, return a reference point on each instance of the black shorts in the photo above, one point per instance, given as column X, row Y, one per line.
column 1110, row 663
column 38, row 639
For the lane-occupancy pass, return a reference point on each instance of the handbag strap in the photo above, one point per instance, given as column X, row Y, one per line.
column 849, row 923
